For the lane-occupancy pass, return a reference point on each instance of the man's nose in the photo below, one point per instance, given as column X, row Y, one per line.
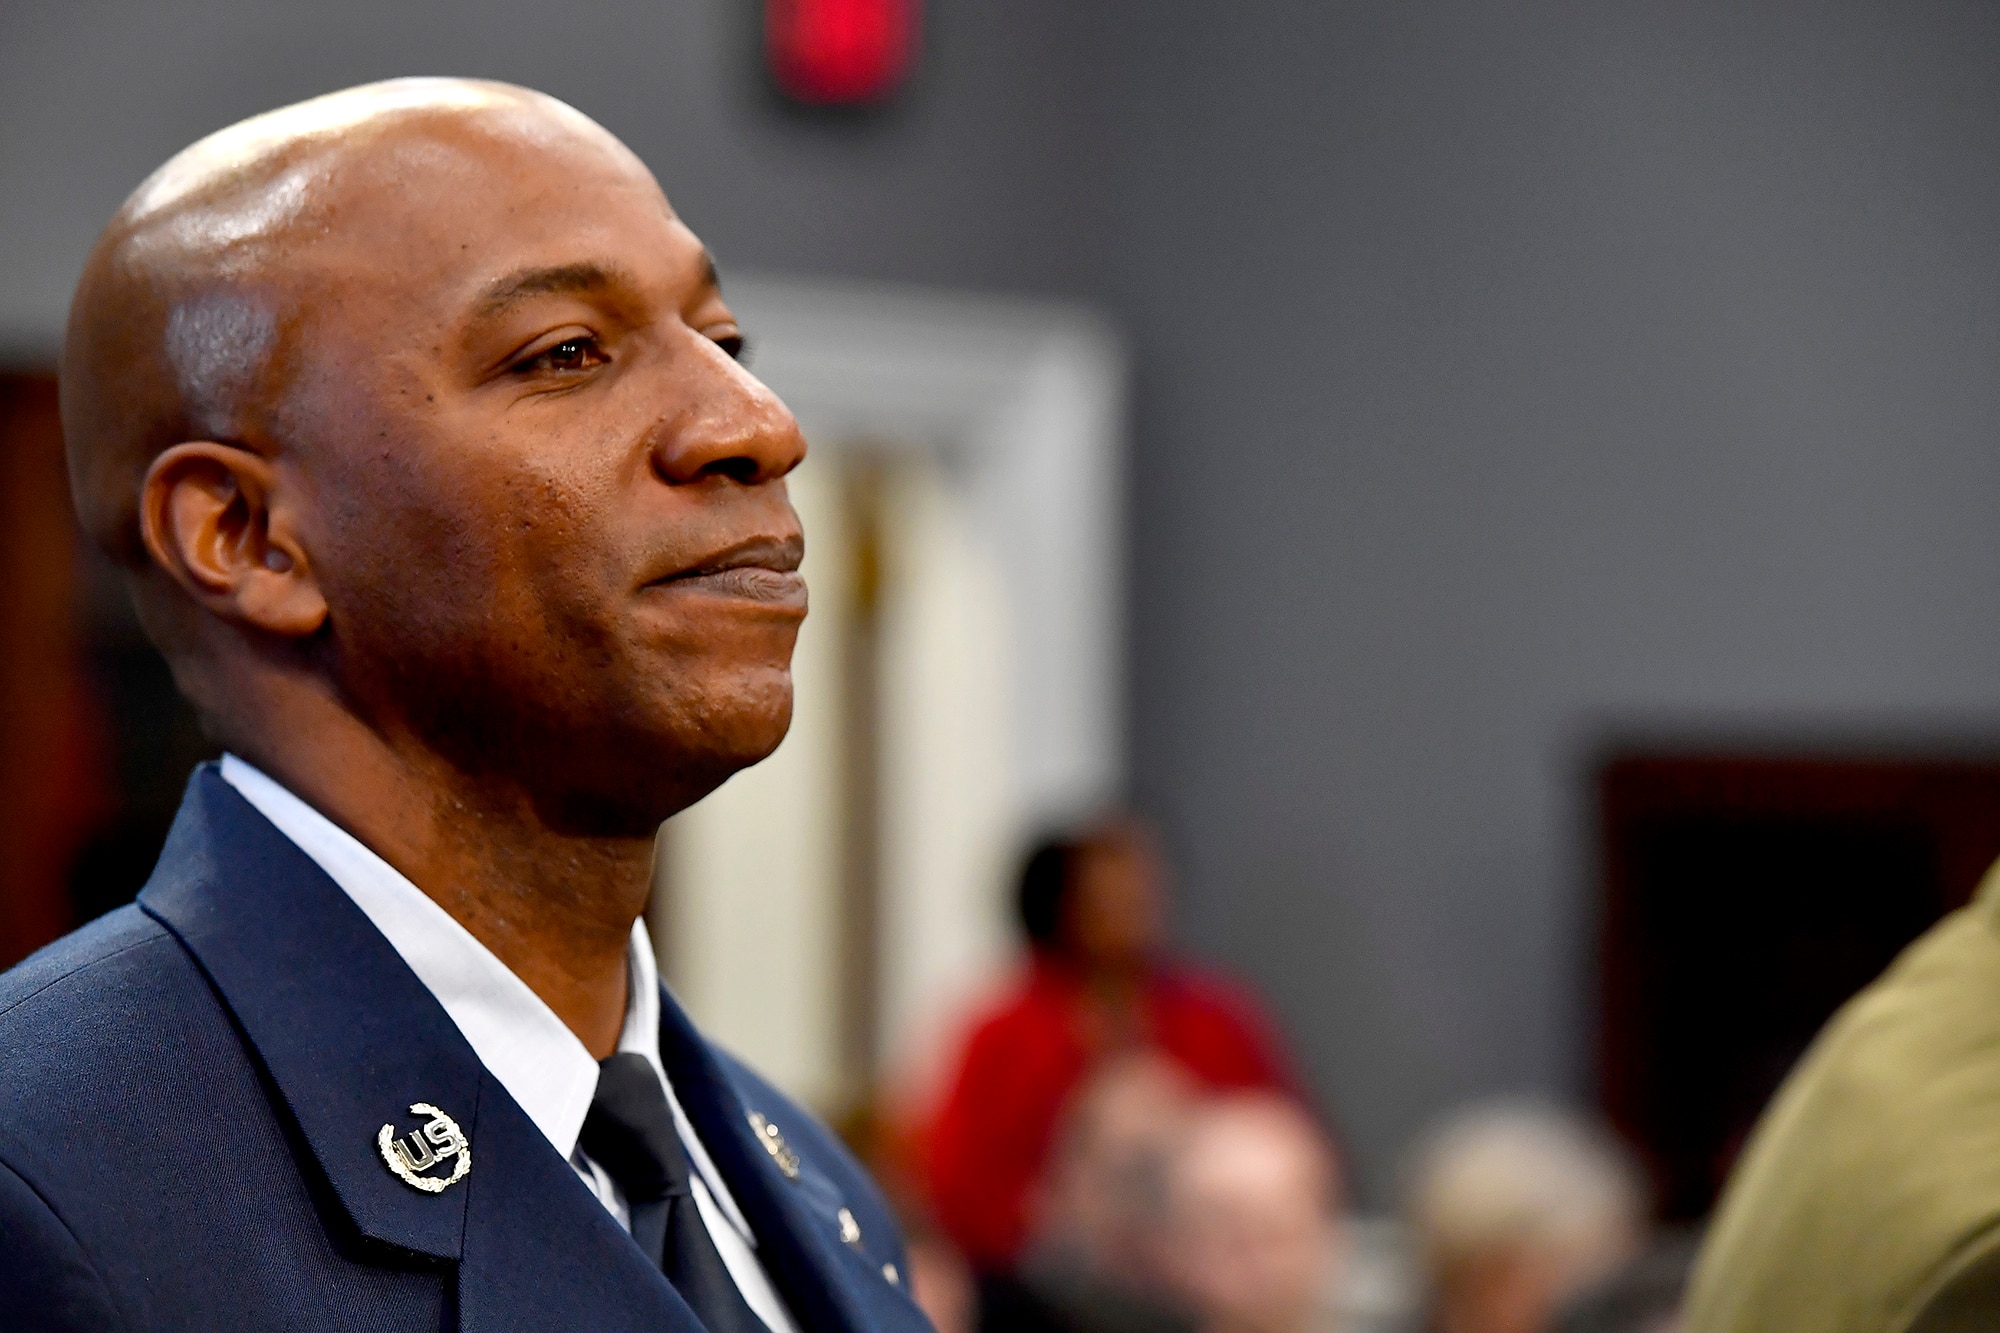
column 728, row 425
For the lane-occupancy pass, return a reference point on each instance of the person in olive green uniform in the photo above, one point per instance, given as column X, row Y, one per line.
column 1868, row 1200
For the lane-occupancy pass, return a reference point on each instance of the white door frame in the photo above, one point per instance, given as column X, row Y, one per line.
column 1021, row 403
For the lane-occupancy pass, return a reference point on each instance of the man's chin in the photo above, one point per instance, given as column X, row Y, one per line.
column 745, row 743
column 622, row 768
column 697, row 754
column 642, row 788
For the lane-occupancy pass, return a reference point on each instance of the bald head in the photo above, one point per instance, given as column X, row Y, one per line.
column 1252, row 1197
column 189, row 320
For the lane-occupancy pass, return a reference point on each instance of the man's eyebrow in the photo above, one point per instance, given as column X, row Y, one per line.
column 579, row 277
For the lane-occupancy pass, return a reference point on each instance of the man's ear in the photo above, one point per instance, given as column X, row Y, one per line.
column 207, row 516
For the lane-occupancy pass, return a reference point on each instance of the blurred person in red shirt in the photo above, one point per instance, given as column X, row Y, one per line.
column 1096, row 986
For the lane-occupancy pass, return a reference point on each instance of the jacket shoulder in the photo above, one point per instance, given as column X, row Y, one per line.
column 1878, row 1164
column 87, row 1026
column 48, row 1281
column 74, row 964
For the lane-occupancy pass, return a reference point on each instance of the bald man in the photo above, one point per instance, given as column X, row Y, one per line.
column 1250, row 1227
column 414, row 417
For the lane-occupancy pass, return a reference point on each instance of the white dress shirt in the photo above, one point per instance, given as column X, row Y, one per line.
column 518, row 1038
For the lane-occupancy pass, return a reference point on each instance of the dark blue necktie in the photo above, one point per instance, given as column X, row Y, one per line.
column 630, row 1133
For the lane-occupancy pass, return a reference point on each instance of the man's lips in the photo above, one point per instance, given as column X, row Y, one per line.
column 747, row 581
column 764, row 569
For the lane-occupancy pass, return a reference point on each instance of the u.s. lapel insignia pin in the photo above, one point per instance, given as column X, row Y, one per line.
column 774, row 1144
column 438, row 1141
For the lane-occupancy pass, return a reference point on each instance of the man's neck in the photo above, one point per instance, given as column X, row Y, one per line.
column 555, row 907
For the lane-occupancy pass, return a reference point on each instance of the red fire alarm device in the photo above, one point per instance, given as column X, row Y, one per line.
column 840, row 52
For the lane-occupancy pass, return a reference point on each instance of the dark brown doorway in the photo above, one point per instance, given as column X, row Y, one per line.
column 1746, row 897
column 95, row 742
column 49, row 787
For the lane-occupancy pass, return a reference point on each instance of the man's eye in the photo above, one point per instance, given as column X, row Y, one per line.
column 571, row 354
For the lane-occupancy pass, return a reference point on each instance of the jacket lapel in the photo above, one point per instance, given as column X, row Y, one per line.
column 351, row 1039
column 820, row 1281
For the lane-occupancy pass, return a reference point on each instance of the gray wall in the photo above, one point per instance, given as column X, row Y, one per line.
column 1508, row 376
column 1511, row 376
column 979, row 182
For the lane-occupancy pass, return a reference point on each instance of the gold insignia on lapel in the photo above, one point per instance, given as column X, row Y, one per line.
column 422, row 1149
column 774, row 1144
column 850, row 1230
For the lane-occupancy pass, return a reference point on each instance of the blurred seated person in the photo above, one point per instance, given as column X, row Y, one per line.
column 1517, row 1211
column 940, row 1280
column 1095, row 985
column 1648, row 1295
column 1095, row 1259
column 1253, row 1241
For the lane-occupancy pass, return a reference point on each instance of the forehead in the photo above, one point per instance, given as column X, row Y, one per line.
column 428, row 220
column 1253, row 1160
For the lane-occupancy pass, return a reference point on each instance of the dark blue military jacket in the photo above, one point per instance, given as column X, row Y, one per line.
column 191, row 1090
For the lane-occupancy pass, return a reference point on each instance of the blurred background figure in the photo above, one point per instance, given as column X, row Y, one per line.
column 1253, row 1241
column 1645, row 1296
column 1095, row 1260
column 1516, row 1211
column 940, row 1280
column 1095, row 989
